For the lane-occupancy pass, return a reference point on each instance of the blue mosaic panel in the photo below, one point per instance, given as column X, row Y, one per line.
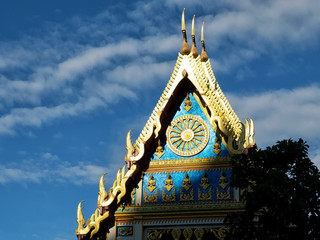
column 208, row 150
column 217, row 192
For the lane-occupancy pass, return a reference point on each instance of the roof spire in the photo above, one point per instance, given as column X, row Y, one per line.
column 185, row 49
column 203, row 56
column 194, row 50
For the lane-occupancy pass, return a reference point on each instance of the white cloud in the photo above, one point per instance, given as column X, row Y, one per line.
column 282, row 114
column 39, row 115
column 47, row 167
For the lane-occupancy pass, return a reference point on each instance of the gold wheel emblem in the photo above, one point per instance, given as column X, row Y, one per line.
column 187, row 135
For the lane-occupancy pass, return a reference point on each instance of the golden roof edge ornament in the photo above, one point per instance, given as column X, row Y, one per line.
column 249, row 133
column 80, row 219
column 185, row 49
column 203, row 56
column 129, row 147
column 194, row 50
column 252, row 142
column 102, row 195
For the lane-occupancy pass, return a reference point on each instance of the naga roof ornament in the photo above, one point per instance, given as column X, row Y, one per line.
column 196, row 71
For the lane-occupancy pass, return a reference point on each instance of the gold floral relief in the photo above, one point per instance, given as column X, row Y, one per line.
column 187, row 233
column 219, row 233
column 224, row 195
column 125, row 231
column 199, row 232
column 169, row 197
column 150, row 199
column 187, row 196
column 176, row 233
column 154, row 234
column 205, row 196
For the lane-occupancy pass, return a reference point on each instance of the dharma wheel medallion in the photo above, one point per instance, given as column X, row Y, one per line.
column 187, row 135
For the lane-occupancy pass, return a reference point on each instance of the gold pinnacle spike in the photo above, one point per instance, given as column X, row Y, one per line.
column 203, row 56
column 185, row 49
column 194, row 50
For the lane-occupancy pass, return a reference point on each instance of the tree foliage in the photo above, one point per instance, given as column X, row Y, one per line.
column 281, row 188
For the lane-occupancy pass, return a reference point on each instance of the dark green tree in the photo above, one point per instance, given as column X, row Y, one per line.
column 281, row 189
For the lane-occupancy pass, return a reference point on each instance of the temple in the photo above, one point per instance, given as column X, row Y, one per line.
column 175, row 183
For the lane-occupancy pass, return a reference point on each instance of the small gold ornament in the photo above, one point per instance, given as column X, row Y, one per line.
column 159, row 151
column 186, row 182
column 151, row 184
column 223, row 181
column 168, row 183
column 187, row 103
column 217, row 147
column 205, row 181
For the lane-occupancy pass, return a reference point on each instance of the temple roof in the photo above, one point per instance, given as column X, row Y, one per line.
column 192, row 68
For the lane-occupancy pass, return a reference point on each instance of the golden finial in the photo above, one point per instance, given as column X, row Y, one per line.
column 102, row 195
column 80, row 218
column 194, row 50
column 203, row 56
column 185, row 49
column 129, row 147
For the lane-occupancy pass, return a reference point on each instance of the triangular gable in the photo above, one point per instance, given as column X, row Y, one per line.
column 192, row 75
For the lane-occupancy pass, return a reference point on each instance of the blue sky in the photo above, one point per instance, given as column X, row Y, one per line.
column 75, row 76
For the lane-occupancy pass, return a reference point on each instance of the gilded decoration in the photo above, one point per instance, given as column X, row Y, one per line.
column 205, row 181
column 186, row 182
column 125, row 231
column 176, row 233
column 187, row 196
column 198, row 161
column 159, row 151
column 133, row 199
column 186, row 186
column 187, row 135
column 224, row 195
column 202, row 195
column 150, row 199
column 223, row 183
column 187, row 103
column 187, row 233
column 151, row 184
column 169, row 197
column 169, row 183
column 219, row 233
column 155, row 234
column 199, row 232
column 217, row 147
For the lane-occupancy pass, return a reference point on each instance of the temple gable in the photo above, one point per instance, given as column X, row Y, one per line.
column 175, row 183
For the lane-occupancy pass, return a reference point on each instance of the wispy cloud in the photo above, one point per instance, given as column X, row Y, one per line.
column 282, row 114
column 71, row 69
column 47, row 167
